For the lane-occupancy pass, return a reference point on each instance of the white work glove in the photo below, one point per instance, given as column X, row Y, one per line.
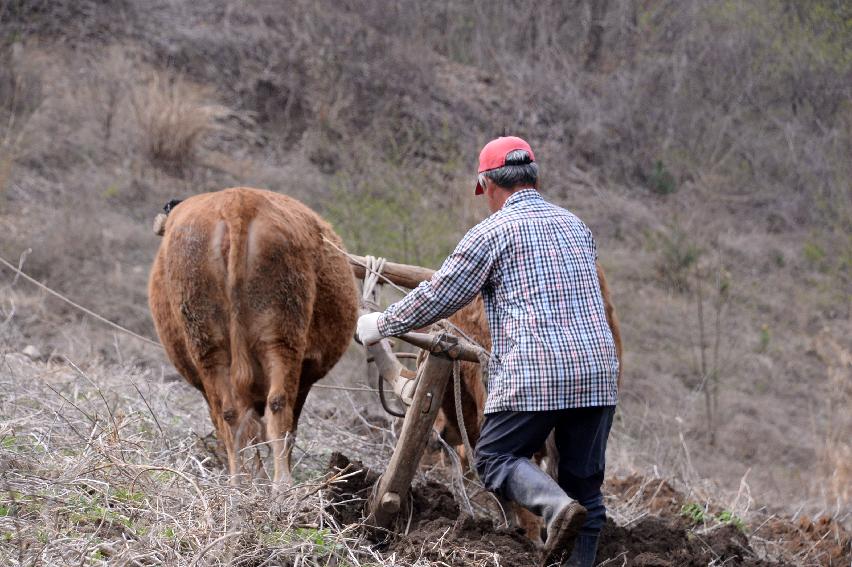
column 368, row 328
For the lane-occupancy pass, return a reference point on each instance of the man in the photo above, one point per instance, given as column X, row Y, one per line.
column 553, row 365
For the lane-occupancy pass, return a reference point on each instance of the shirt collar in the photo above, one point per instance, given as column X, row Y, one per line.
column 521, row 195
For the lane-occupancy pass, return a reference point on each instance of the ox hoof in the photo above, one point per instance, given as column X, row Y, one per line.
column 238, row 479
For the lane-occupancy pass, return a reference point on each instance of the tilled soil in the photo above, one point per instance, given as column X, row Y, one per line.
column 437, row 532
column 667, row 542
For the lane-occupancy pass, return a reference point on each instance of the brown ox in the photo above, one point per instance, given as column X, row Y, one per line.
column 252, row 307
column 472, row 321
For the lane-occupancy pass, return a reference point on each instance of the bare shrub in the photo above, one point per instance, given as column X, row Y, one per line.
column 108, row 86
column 679, row 251
column 20, row 96
column 711, row 336
column 174, row 119
column 836, row 451
column 82, row 18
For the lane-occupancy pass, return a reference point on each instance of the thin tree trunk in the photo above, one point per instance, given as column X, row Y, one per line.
column 705, row 371
column 594, row 40
column 633, row 30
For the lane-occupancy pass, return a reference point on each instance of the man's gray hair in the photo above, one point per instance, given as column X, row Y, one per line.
column 520, row 170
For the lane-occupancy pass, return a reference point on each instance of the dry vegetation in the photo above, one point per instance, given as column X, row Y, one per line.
column 705, row 143
column 113, row 464
column 172, row 119
column 115, row 468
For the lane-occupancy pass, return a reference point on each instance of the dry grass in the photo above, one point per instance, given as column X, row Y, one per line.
column 174, row 119
column 837, row 450
column 112, row 465
column 106, row 466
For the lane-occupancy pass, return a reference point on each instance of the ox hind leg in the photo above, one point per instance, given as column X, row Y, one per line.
column 249, row 434
column 282, row 368
column 223, row 411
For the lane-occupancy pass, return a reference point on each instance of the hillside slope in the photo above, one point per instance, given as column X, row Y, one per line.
column 706, row 146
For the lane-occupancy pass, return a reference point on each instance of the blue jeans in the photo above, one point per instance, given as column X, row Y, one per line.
column 581, row 435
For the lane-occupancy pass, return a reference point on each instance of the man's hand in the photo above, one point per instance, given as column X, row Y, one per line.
column 368, row 328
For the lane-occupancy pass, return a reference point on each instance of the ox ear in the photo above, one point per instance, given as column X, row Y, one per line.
column 160, row 224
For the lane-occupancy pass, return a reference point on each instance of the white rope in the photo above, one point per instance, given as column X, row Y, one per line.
column 352, row 259
column 88, row 312
column 345, row 388
column 460, row 417
column 373, row 270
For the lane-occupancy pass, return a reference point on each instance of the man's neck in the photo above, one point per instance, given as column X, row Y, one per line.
column 511, row 193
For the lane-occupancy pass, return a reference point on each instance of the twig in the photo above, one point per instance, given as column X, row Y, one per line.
column 213, row 544
column 147, row 405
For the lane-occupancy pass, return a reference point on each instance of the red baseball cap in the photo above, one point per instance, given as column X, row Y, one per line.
column 493, row 155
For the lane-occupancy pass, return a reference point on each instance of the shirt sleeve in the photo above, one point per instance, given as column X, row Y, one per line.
column 463, row 274
column 593, row 244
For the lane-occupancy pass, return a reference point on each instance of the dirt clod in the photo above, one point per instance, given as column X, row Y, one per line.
column 667, row 542
column 349, row 495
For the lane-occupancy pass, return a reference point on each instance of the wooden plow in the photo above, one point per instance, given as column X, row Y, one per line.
column 422, row 394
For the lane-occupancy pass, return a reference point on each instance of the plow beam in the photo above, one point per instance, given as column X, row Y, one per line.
column 390, row 493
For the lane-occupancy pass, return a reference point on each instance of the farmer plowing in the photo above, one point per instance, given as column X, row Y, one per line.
column 554, row 364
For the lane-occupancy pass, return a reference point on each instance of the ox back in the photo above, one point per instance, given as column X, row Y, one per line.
column 252, row 307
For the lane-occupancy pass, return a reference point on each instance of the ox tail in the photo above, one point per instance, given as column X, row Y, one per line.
column 551, row 464
column 241, row 361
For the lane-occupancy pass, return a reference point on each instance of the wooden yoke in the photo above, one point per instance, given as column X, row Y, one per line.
column 403, row 275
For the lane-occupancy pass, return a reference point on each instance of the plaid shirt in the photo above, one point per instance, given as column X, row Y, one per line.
column 534, row 263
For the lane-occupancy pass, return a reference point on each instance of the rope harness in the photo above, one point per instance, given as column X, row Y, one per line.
column 468, row 450
column 484, row 357
column 373, row 271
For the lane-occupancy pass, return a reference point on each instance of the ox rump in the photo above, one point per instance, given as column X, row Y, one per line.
column 252, row 307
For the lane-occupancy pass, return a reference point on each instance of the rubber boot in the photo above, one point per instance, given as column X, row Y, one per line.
column 584, row 552
column 533, row 489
